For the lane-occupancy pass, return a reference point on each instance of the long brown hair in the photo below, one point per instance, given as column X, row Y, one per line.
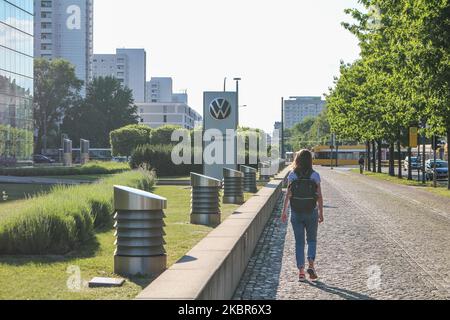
column 303, row 164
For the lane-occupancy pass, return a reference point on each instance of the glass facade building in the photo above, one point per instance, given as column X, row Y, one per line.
column 16, row 81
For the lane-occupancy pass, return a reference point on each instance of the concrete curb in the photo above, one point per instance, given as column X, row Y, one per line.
column 213, row 268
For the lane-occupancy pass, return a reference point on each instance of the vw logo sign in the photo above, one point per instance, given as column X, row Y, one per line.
column 220, row 109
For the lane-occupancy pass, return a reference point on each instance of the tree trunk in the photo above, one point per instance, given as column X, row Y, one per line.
column 369, row 163
column 391, row 160
column 410, row 177
column 399, row 150
column 38, row 142
column 448, row 152
column 374, row 155
column 380, row 155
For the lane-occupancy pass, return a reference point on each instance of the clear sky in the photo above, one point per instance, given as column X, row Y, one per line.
column 278, row 48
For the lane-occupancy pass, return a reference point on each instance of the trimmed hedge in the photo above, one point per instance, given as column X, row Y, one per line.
column 93, row 167
column 159, row 158
column 126, row 139
column 66, row 218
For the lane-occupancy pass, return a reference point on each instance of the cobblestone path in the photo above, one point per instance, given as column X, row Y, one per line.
column 379, row 241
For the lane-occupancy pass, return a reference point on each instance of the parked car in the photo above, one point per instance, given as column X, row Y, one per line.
column 41, row 159
column 441, row 170
column 415, row 163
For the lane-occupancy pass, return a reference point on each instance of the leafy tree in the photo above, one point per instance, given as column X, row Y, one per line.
column 108, row 106
column 402, row 77
column 56, row 89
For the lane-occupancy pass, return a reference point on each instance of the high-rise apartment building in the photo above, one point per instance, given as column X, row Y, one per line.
column 16, row 81
column 297, row 109
column 64, row 29
column 129, row 66
column 160, row 90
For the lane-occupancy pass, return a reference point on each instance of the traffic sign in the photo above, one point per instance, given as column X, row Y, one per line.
column 413, row 137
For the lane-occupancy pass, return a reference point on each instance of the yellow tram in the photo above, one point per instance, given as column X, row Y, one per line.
column 346, row 155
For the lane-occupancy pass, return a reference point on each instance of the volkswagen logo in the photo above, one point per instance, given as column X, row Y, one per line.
column 220, row 109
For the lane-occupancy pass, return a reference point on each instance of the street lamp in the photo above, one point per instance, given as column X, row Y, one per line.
column 237, row 97
column 237, row 111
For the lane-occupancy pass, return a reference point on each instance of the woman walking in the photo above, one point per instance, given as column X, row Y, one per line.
column 304, row 196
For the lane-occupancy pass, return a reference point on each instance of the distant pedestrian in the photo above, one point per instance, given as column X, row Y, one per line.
column 362, row 164
column 304, row 195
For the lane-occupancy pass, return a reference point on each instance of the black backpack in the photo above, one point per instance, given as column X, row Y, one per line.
column 303, row 194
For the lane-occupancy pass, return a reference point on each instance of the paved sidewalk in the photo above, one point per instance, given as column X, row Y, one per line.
column 379, row 241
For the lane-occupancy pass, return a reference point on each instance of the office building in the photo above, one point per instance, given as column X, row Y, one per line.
column 129, row 66
column 156, row 115
column 64, row 29
column 278, row 126
column 16, row 81
column 297, row 109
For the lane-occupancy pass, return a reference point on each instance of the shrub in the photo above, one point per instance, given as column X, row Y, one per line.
column 66, row 218
column 159, row 158
column 163, row 135
column 93, row 167
column 126, row 139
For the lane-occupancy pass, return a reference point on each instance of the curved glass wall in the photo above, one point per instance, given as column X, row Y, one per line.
column 16, row 81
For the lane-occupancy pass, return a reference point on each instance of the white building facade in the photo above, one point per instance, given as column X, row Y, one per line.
column 297, row 109
column 129, row 66
column 156, row 115
column 64, row 29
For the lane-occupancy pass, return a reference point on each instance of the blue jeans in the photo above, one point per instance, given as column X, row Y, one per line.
column 305, row 223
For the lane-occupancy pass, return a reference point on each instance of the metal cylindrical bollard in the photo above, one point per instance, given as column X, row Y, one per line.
column 264, row 171
column 84, row 151
column 205, row 204
column 140, row 232
column 67, row 151
column 233, row 186
column 249, row 179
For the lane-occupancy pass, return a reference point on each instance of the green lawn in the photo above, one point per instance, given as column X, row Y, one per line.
column 440, row 190
column 46, row 277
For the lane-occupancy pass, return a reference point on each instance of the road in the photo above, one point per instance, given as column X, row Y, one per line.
column 379, row 241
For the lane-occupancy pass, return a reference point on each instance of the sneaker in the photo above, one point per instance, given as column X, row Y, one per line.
column 312, row 274
column 302, row 276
